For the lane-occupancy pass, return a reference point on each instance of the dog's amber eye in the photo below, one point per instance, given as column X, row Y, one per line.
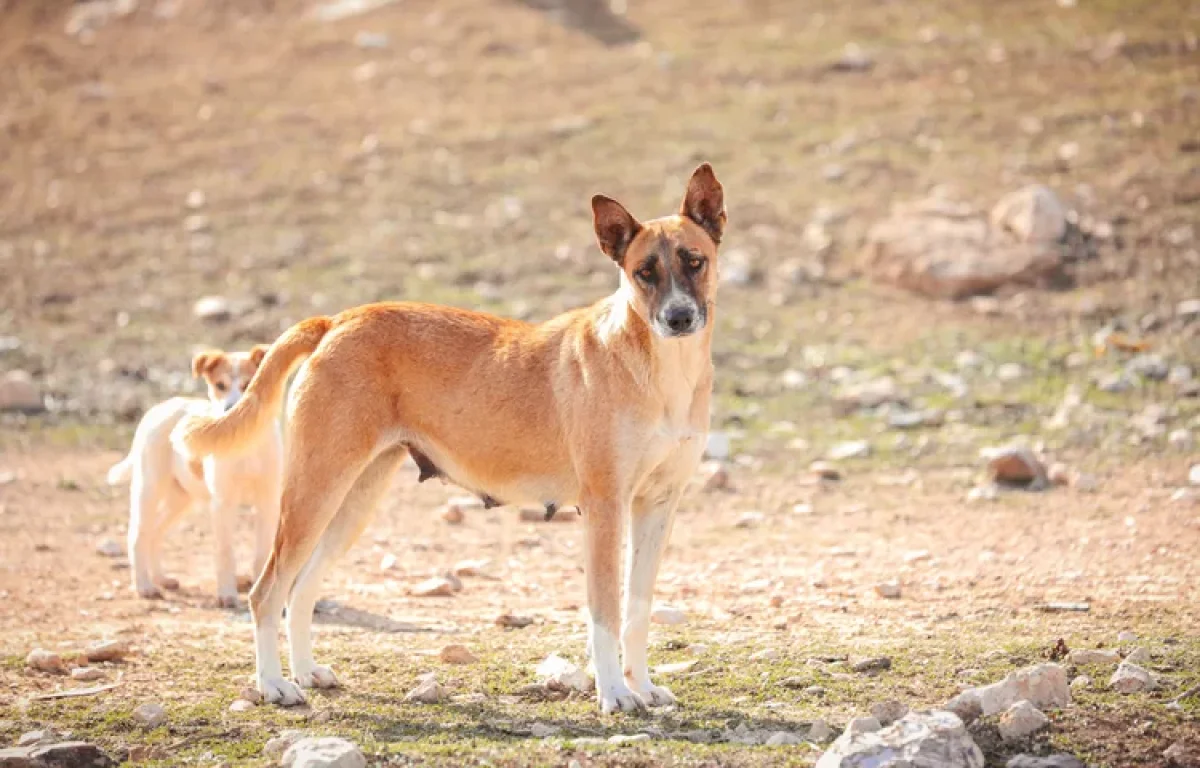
column 646, row 274
column 222, row 386
column 695, row 263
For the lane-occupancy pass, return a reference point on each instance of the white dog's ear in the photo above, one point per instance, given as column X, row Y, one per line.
column 704, row 202
column 258, row 353
column 204, row 362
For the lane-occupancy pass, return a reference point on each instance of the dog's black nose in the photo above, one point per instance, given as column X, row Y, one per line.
column 680, row 319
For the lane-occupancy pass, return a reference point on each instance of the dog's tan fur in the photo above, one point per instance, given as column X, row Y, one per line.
column 165, row 482
column 605, row 407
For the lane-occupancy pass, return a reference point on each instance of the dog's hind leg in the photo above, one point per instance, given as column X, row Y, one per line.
column 649, row 529
column 266, row 521
column 174, row 502
column 355, row 514
column 145, row 498
column 325, row 458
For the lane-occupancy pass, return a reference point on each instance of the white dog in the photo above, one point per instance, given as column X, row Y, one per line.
column 164, row 483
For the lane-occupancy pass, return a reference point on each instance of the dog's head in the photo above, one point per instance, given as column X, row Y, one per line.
column 668, row 265
column 227, row 374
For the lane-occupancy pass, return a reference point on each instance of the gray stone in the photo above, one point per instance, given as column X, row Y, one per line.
column 67, row 754
column 1015, row 465
column 888, row 712
column 1153, row 367
column 918, row 740
column 621, row 739
column 324, row 752
column 212, row 309
column 277, row 745
column 1050, row 761
column 1020, row 721
column 150, row 715
column 819, row 732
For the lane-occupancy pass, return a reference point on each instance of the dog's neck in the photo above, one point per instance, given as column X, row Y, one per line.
column 653, row 360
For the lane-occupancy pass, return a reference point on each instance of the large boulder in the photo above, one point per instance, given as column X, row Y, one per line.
column 946, row 249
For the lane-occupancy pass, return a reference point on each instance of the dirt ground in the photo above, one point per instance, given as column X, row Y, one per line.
column 446, row 151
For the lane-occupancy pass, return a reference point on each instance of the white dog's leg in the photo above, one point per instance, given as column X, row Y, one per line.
column 173, row 504
column 355, row 514
column 144, row 501
column 224, row 520
column 649, row 529
column 266, row 520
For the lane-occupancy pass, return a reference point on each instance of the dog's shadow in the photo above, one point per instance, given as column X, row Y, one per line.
column 592, row 17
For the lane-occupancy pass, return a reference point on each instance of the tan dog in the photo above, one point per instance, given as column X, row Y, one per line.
column 605, row 407
column 165, row 482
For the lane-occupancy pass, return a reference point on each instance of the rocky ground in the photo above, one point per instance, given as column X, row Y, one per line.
column 958, row 351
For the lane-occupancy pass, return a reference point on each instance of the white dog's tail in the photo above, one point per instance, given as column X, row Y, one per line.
column 121, row 472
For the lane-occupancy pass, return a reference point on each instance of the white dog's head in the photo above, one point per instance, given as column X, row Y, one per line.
column 227, row 374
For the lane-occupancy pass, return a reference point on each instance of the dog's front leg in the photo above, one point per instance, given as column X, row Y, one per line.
column 605, row 521
column 649, row 529
column 224, row 518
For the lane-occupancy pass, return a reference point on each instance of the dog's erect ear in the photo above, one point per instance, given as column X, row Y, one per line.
column 258, row 352
column 704, row 202
column 615, row 227
column 203, row 362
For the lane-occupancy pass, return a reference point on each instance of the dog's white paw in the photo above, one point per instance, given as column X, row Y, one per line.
column 620, row 698
column 656, row 695
column 276, row 690
column 316, row 676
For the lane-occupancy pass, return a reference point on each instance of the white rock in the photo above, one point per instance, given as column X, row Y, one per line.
column 766, row 654
column 717, row 446
column 861, row 725
column 212, row 309
column 557, row 672
column 45, row 661
column 454, row 653
column 621, row 739
column 428, row 691
column 195, row 199
column 868, row 394
column 668, row 615
column 1094, row 656
column 1130, row 678
column 1194, row 474
column 18, row 392
column 1138, row 656
column 1188, row 309
column 150, row 715
column 1033, row 214
column 388, row 562
column 851, row 449
column 276, row 746
column 1044, row 686
column 927, row 740
column 110, row 548
column 1081, row 683
column 1180, row 438
column 33, row 738
column 107, row 650
column 1127, row 636
column 438, row 586
column 749, row 520
column 241, row 705
column 323, row 752
column 87, row 674
column 889, row 590
column 1020, row 721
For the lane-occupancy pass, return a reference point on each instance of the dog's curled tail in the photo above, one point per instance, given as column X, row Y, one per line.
column 121, row 472
column 205, row 435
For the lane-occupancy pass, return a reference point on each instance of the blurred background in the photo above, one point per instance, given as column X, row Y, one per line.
column 955, row 227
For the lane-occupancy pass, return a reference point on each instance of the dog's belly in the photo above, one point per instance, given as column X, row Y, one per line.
column 533, row 483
